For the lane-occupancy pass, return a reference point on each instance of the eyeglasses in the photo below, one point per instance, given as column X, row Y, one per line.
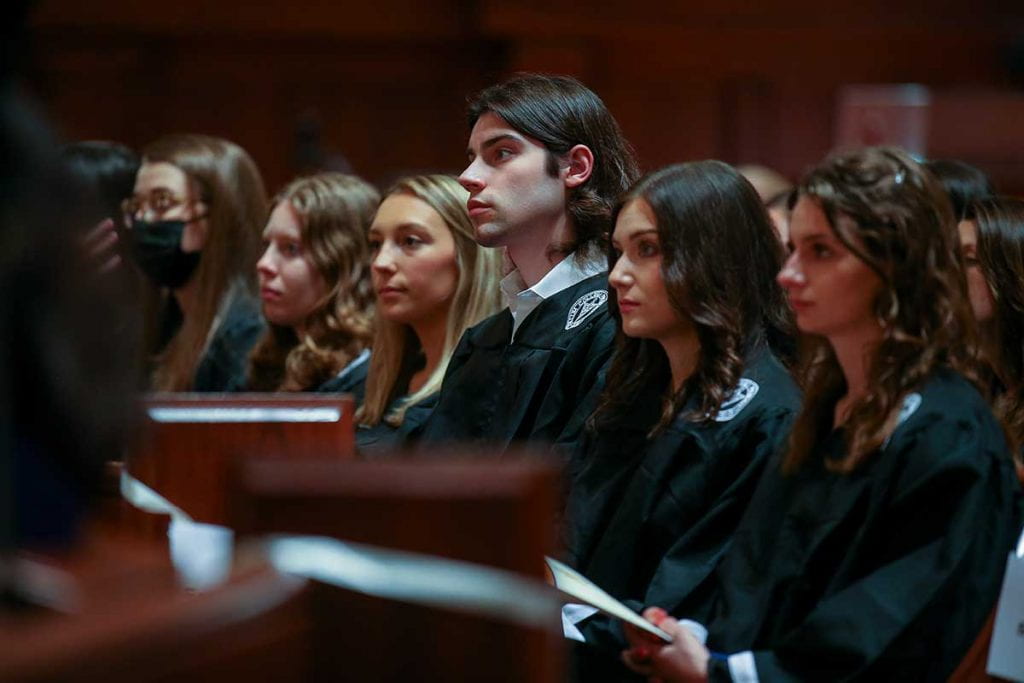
column 158, row 202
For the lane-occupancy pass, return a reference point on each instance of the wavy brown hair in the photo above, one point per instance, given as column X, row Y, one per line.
column 230, row 185
column 334, row 212
column 1001, row 254
column 720, row 255
column 895, row 217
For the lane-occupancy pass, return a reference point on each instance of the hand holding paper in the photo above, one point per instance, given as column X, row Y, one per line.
column 574, row 584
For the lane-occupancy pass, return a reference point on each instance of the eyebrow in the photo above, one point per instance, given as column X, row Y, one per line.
column 491, row 142
column 406, row 225
column 815, row 236
column 633, row 235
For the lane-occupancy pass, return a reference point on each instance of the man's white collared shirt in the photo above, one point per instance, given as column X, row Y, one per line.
column 522, row 300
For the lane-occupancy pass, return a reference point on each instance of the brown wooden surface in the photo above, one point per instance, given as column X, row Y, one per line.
column 189, row 463
column 256, row 628
column 370, row 639
column 493, row 513
column 740, row 81
column 125, row 621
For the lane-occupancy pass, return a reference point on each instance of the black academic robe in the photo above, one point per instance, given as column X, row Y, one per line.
column 224, row 364
column 650, row 526
column 887, row 573
column 538, row 388
column 383, row 438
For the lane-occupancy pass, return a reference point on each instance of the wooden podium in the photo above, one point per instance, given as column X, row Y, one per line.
column 190, row 443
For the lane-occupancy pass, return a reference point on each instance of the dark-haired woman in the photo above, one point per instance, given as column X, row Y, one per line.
column 696, row 399
column 875, row 549
column 992, row 239
column 194, row 222
column 314, row 284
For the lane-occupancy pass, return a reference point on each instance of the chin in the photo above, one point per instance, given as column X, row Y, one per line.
column 489, row 235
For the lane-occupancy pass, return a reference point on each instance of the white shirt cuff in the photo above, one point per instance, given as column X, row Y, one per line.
column 573, row 614
column 742, row 667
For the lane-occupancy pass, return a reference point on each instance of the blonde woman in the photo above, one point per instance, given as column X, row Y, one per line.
column 432, row 282
column 314, row 284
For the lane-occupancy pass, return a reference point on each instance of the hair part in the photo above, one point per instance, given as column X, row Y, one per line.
column 894, row 216
column 334, row 211
column 560, row 113
column 476, row 297
column 720, row 256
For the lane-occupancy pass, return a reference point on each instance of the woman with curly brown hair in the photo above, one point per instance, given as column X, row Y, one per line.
column 697, row 397
column 874, row 550
column 314, row 283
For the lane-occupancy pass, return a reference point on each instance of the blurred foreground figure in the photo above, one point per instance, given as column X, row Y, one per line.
column 68, row 345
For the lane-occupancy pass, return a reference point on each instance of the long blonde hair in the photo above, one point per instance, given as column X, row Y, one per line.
column 231, row 187
column 476, row 296
column 334, row 211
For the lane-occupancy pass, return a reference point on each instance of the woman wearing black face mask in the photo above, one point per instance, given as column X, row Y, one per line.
column 194, row 221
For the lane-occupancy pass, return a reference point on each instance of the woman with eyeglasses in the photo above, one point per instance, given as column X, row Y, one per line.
column 874, row 548
column 194, row 224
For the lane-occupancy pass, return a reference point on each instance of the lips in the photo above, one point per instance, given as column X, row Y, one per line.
column 475, row 207
column 799, row 304
column 385, row 292
column 627, row 306
column 269, row 294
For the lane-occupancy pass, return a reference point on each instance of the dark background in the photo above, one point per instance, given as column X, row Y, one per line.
column 384, row 82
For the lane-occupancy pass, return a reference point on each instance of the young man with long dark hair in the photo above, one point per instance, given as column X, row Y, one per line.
column 547, row 163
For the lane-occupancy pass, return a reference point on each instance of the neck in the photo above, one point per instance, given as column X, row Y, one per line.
column 186, row 297
column 852, row 351
column 536, row 251
column 683, row 351
column 430, row 334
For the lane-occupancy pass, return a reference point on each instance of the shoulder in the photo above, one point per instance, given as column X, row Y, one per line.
column 945, row 397
column 946, row 423
column 766, row 388
column 351, row 378
column 242, row 319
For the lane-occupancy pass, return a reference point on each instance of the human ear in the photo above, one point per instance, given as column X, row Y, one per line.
column 581, row 165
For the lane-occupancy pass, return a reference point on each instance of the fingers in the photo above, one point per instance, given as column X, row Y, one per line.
column 638, row 659
column 110, row 264
column 99, row 245
column 101, row 237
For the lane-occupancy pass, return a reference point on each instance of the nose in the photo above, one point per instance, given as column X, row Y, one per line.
column 383, row 262
column 791, row 275
column 471, row 178
column 265, row 266
column 620, row 278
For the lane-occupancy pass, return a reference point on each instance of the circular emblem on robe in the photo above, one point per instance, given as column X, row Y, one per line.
column 911, row 402
column 743, row 394
column 584, row 307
